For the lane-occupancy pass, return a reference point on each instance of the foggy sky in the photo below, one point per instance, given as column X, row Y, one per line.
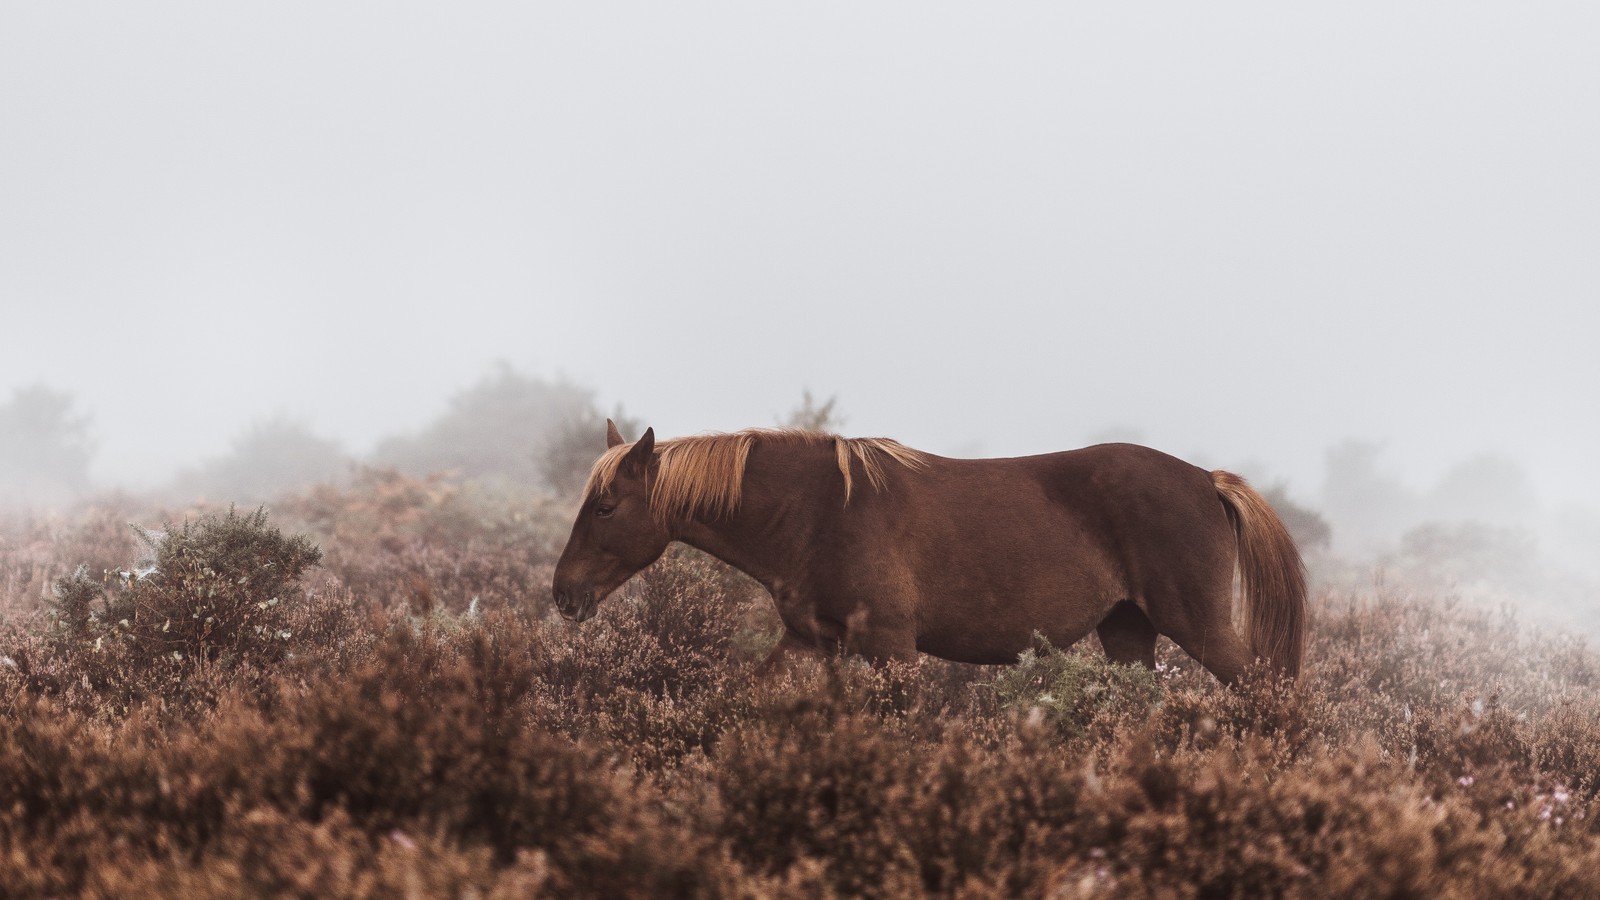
column 1248, row 231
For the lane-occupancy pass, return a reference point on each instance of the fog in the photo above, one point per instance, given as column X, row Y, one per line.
column 1248, row 233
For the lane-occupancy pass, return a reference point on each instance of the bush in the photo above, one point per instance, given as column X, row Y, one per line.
column 1073, row 688
column 215, row 589
column 217, row 592
column 73, row 605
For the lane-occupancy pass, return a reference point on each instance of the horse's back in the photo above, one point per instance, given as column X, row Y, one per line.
column 1131, row 486
column 1102, row 485
column 1052, row 542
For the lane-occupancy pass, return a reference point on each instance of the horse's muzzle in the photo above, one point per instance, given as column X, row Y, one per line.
column 576, row 606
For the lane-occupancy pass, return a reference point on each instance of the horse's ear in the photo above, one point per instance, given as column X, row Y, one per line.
column 613, row 436
column 638, row 459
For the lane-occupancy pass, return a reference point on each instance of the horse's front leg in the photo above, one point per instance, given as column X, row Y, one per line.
column 882, row 631
column 875, row 632
column 790, row 648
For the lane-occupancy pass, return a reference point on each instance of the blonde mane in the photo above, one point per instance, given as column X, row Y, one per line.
column 703, row 475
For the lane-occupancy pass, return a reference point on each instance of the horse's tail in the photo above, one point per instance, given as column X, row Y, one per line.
column 1271, row 573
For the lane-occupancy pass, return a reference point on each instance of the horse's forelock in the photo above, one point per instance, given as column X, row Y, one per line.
column 604, row 471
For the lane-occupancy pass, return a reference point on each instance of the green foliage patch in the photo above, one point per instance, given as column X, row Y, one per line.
column 1071, row 689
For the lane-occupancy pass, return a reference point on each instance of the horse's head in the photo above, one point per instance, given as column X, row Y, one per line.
column 616, row 533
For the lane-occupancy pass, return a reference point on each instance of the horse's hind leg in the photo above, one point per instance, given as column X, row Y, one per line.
column 1209, row 638
column 1127, row 635
column 1200, row 620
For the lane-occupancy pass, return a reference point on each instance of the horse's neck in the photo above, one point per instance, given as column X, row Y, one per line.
column 782, row 503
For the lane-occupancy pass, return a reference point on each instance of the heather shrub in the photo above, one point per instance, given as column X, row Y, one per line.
column 430, row 731
column 1209, row 823
column 833, row 790
column 414, row 543
column 1567, row 741
column 406, row 741
column 35, row 551
column 1284, row 718
column 425, row 743
column 268, row 853
column 656, row 672
column 1424, row 653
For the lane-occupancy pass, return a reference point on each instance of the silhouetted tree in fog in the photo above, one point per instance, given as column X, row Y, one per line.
column 44, row 447
column 573, row 447
column 273, row 457
column 1368, row 507
column 815, row 416
column 502, row 427
column 1488, row 489
column 1310, row 530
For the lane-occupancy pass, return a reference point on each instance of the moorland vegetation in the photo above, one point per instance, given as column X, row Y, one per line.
column 365, row 691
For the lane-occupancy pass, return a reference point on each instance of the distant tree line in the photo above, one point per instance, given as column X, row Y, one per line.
column 522, row 432
column 509, row 428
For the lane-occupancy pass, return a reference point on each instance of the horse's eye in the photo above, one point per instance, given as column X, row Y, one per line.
column 604, row 511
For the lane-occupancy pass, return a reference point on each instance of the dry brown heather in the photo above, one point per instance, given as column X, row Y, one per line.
column 398, row 744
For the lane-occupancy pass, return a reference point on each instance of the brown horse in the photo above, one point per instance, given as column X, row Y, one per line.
column 867, row 544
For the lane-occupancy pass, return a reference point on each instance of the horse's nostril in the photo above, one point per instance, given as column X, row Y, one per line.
column 571, row 603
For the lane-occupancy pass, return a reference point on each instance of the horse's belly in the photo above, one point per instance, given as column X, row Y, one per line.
column 990, row 649
column 994, row 630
